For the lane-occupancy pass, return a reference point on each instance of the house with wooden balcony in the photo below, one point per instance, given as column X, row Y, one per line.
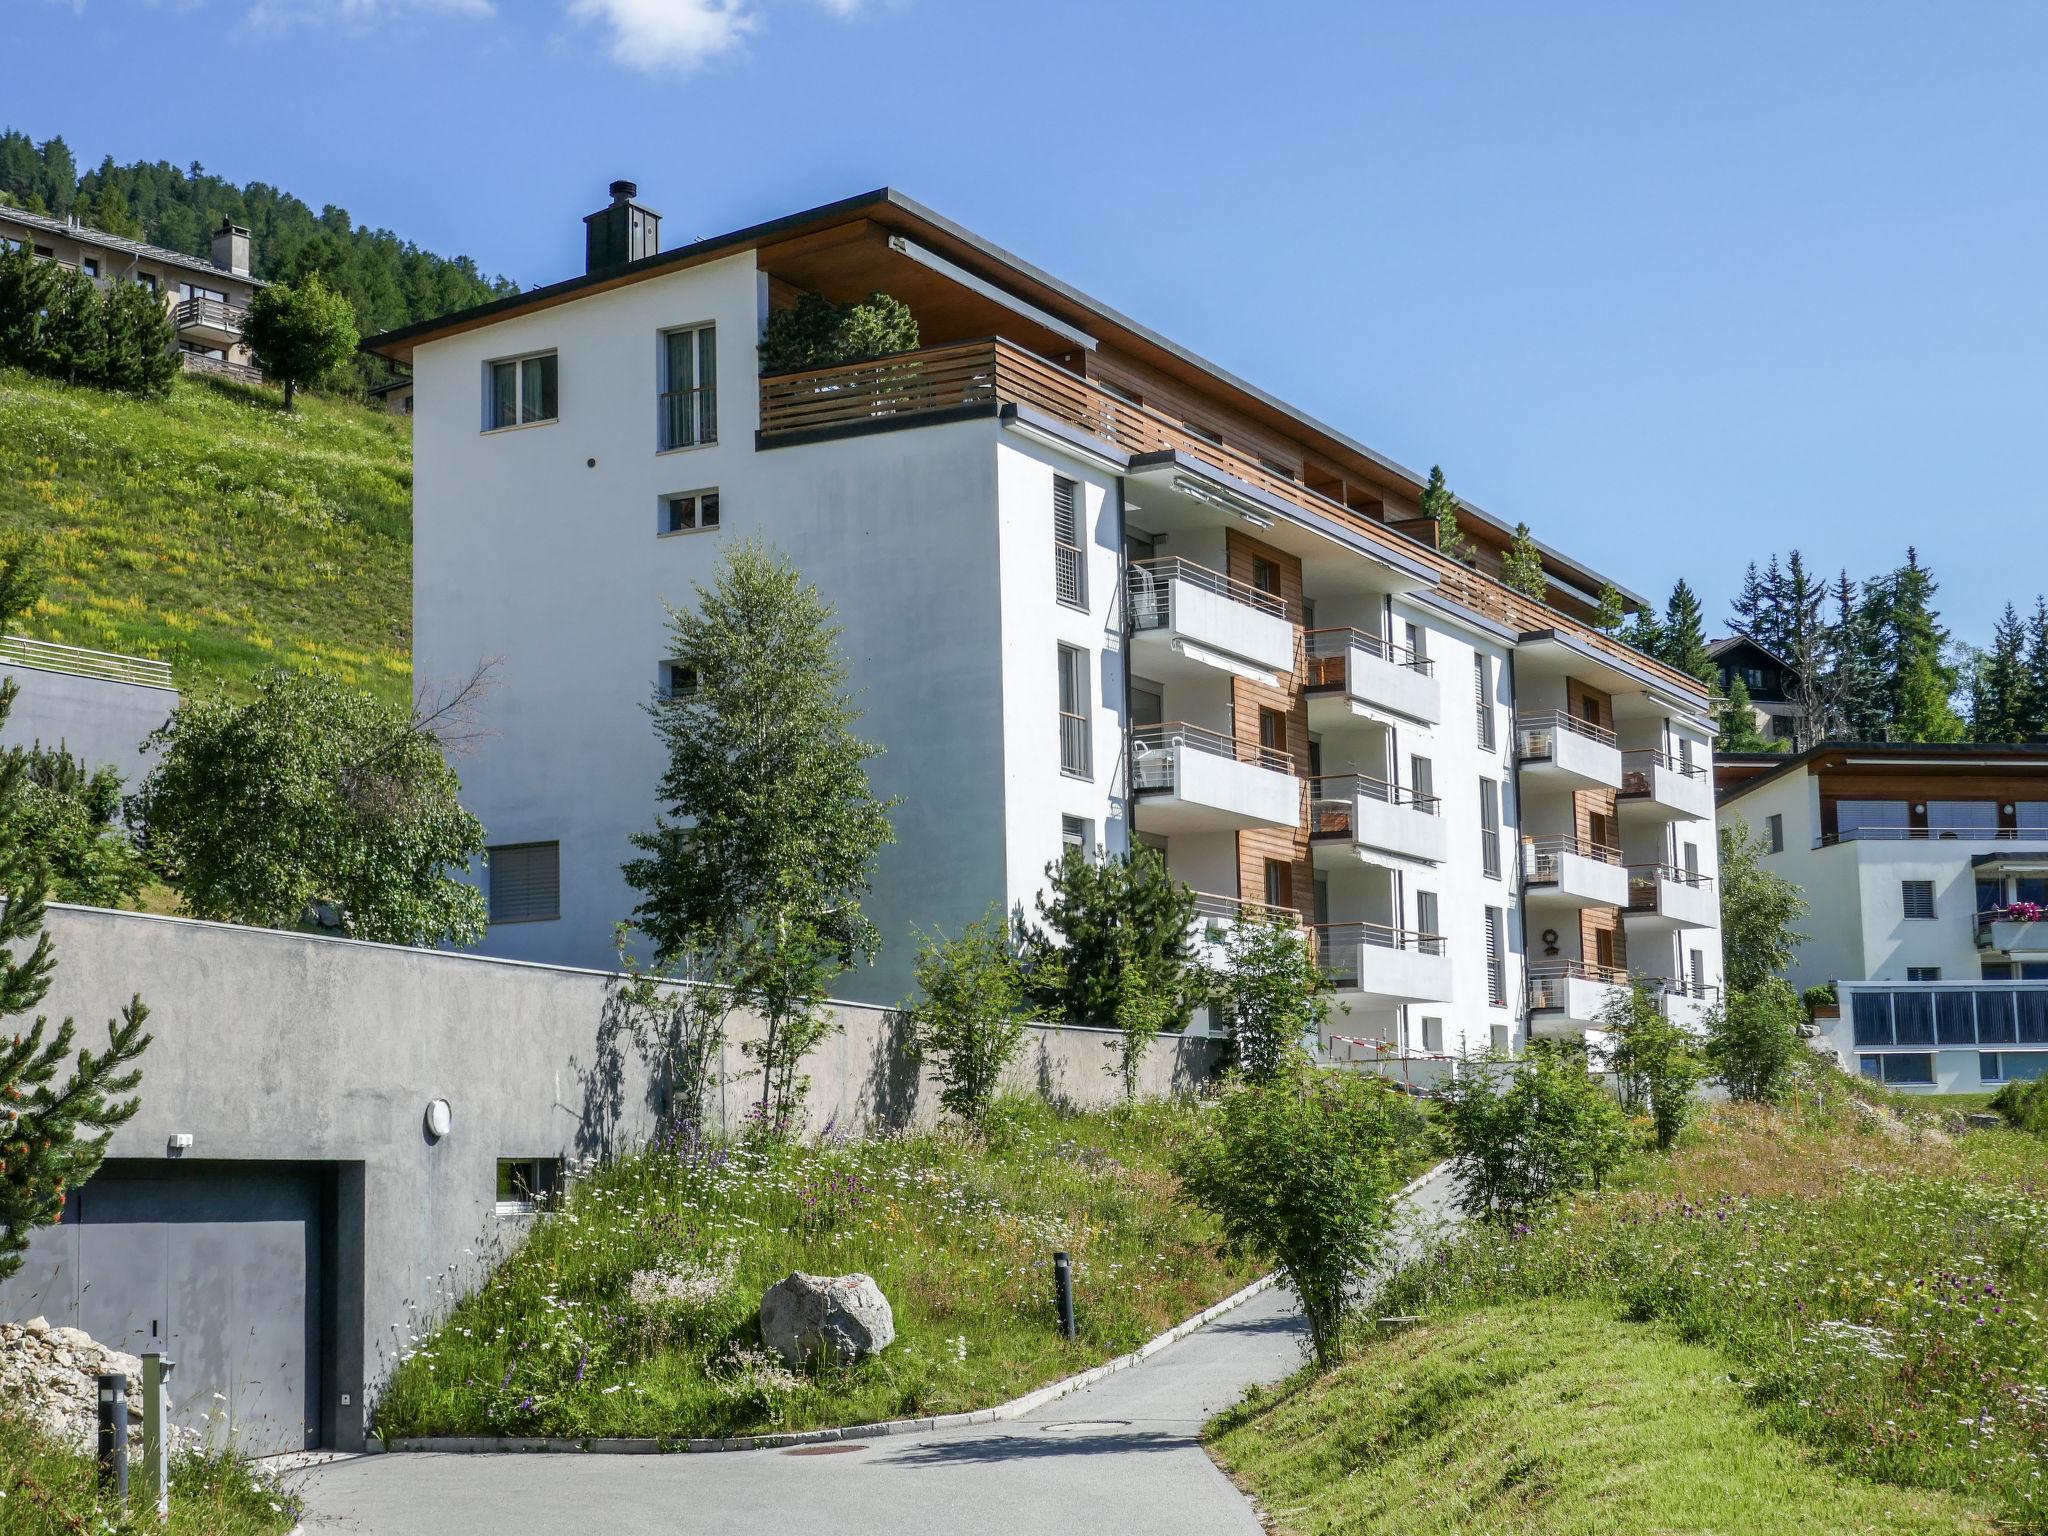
column 1097, row 592
column 207, row 296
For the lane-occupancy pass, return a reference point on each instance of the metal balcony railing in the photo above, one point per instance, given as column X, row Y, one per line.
column 2018, row 912
column 1933, row 834
column 1329, row 655
column 51, row 657
column 1549, row 983
column 1238, row 909
column 1543, row 856
column 1149, row 586
column 689, row 417
column 1645, row 882
column 1638, row 763
column 1158, row 748
column 1333, row 799
column 1536, row 735
column 1077, row 756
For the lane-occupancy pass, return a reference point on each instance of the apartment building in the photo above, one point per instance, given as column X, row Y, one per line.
column 1097, row 592
column 1924, row 865
column 206, row 299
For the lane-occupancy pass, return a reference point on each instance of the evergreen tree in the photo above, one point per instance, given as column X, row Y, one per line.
column 1750, row 613
column 1441, row 506
column 138, row 356
column 2037, row 671
column 1807, row 644
column 1612, row 611
column 1922, row 682
column 1683, row 646
column 2000, row 702
column 1859, row 675
column 1522, row 566
column 1735, row 726
column 1113, row 937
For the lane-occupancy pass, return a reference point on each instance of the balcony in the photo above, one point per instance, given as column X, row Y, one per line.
column 1565, row 998
column 1353, row 815
column 208, row 320
column 1662, row 896
column 1186, row 618
column 2020, row 929
column 1569, row 871
column 1216, row 915
column 1384, row 965
column 1684, row 1003
column 1659, row 787
column 1561, row 751
column 1351, row 671
column 1191, row 779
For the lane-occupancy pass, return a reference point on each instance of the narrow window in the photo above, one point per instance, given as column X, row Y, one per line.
column 689, row 387
column 1070, row 562
column 1266, row 576
column 1699, row 973
column 1273, row 730
column 1496, row 959
column 91, row 265
column 1074, row 748
column 692, row 512
column 519, row 390
column 525, row 881
column 1428, row 936
column 1077, row 835
column 1774, row 833
column 1489, row 828
column 1433, row 1035
column 1422, row 782
column 1279, row 883
column 1917, row 897
column 1987, row 1067
column 1418, row 644
column 1503, row 1040
column 1482, row 701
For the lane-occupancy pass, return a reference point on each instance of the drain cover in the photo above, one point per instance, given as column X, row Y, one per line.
column 828, row 1449
column 1087, row 1426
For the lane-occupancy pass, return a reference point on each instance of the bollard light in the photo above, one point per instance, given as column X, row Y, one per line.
column 1063, row 1287
column 113, row 1406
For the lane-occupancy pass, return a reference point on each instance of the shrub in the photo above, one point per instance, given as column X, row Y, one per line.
column 1753, row 1042
column 816, row 333
column 1819, row 996
column 1655, row 1061
column 68, row 814
column 1527, row 1136
column 967, row 1022
column 2024, row 1105
column 1301, row 1171
column 1114, row 930
column 1270, row 993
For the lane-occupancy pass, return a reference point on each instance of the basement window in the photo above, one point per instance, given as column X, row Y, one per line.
column 527, row 1184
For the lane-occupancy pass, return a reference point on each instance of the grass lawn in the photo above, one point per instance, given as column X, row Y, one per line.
column 1547, row 1417
column 214, row 531
column 960, row 1236
column 49, row 1488
column 1877, row 1290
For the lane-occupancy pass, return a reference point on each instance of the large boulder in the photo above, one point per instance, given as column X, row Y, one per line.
column 838, row 1317
column 50, row 1376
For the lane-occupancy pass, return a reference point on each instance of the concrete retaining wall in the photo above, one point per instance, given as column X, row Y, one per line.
column 101, row 721
column 279, row 1046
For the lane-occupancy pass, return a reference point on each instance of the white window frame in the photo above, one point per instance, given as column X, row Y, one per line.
column 702, row 404
column 1077, row 723
column 1077, row 833
column 1070, row 542
column 517, row 363
column 697, row 498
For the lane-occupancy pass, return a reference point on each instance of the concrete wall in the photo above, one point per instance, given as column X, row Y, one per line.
column 274, row 1046
column 99, row 720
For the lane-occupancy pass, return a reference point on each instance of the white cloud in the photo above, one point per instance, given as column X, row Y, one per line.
column 357, row 14
column 670, row 34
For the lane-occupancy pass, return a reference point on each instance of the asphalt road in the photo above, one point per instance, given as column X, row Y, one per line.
column 1120, row 1458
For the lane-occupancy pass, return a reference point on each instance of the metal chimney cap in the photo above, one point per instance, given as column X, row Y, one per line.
column 621, row 190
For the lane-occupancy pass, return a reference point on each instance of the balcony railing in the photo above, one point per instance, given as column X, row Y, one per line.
column 689, row 417
column 1378, row 936
column 1076, row 755
column 1154, row 768
column 209, row 315
column 1543, row 856
column 1638, row 765
column 1150, row 586
column 1333, row 801
column 994, row 372
column 1550, row 983
column 1239, row 909
column 51, row 657
column 1536, row 735
column 199, row 362
column 2019, row 912
column 1329, row 655
column 1645, row 881
column 1933, row 835
column 1678, row 986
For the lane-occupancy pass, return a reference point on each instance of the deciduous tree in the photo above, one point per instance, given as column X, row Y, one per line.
column 300, row 332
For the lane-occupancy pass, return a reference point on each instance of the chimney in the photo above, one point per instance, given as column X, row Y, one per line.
column 621, row 232
column 231, row 249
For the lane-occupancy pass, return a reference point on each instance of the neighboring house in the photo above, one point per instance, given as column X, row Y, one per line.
column 396, row 395
column 1945, row 1036
column 206, row 299
column 1768, row 678
column 1911, row 856
column 1095, row 591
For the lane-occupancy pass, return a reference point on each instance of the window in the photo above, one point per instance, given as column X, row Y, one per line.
column 1774, row 833
column 1902, row 1067
column 1995, row 970
column 526, row 1184
column 1489, row 828
column 1426, row 920
column 518, row 390
column 1482, row 699
column 1433, row 1035
column 1496, row 959
column 1503, row 1040
column 678, row 680
column 1959, row 818
column 1417, row 639
column 1279, row 883
column 2011, row 1066
column 1421, row 778
column 45, row 252
column 1870, row 818
column 1917, row 897
column 1070, row 560
column 1923, row 973
column 689, row 387
column 692, row 512
column 1075, row 758
column 1699, row 972
column 1273, row 729
column 198, row 291
column 526, row 882
column 90, row 266
column 1077, row 835
column 1266, row 576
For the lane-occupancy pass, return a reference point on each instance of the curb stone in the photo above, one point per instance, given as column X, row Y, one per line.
column 1015, row 1408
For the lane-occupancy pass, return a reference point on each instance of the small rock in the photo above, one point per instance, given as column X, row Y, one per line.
column 841, row 1317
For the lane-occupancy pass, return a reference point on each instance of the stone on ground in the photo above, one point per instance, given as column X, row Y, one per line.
column 50, row 1376
column 838, row 1317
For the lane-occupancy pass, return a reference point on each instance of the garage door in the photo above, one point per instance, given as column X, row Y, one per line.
column 217, row 1265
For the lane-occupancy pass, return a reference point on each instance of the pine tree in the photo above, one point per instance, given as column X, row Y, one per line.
column 1807, row 644
column 54, row 1125
column 1441, row 506
column 1522, row 566
column 2000, row 705
column 1735, row 726
column 1612, row 610
column 1684, row 643
column 1922, row 682
column 1859, row 675
column 1750, row 613
column 2037, row 672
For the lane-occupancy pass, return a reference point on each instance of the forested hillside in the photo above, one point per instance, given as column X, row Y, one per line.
column 390, row 281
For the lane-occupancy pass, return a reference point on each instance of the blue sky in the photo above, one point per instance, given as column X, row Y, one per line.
column 1677, row 285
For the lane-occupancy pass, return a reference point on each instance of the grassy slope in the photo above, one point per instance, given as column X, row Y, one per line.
column 45, row 1488
column 1547, row 1417
column 960, row 1237
column 214, row 531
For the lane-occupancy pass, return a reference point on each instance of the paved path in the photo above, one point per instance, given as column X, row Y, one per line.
column 1120, row 1458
